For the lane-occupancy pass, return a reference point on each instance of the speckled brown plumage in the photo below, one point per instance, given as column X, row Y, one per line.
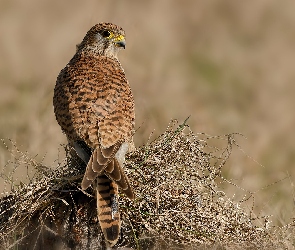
column 94, row 106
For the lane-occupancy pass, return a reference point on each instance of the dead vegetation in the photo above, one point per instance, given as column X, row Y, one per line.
column 179, row 204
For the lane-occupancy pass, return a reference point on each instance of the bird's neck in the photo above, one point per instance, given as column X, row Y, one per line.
column 99, row 50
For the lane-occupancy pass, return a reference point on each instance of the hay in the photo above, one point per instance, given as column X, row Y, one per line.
column 178, row 204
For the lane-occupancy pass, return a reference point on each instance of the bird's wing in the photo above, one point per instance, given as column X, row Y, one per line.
column 101, row 105
column 100, row 112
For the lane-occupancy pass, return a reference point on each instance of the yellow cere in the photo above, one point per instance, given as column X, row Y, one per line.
column 119, row 38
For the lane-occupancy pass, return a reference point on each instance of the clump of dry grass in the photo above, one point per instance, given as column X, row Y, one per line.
column 178, row 203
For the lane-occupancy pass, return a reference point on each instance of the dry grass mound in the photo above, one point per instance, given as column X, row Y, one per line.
column 179, row 204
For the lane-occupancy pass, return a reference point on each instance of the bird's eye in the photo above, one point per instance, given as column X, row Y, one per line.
column 106, row 34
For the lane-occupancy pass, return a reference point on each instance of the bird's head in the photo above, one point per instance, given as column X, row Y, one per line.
column 103, row 39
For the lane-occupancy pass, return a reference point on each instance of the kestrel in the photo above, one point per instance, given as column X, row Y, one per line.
column 94, row 106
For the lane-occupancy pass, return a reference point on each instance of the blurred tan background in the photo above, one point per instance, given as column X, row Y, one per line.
column 229, row 64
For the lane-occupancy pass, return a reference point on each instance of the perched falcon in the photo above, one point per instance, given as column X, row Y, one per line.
column 94, row 106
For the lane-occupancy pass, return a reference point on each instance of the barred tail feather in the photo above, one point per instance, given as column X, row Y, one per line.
column 123, row 182
column 113, row 168
column 108, row 208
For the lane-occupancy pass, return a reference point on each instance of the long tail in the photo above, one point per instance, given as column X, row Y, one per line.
column 107, row 173
column 108, row 208
column 99, row 165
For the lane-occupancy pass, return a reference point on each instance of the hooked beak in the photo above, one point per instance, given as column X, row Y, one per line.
column 120, row 41
column 121, row 44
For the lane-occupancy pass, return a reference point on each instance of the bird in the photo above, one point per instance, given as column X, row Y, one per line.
column 94, row 106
